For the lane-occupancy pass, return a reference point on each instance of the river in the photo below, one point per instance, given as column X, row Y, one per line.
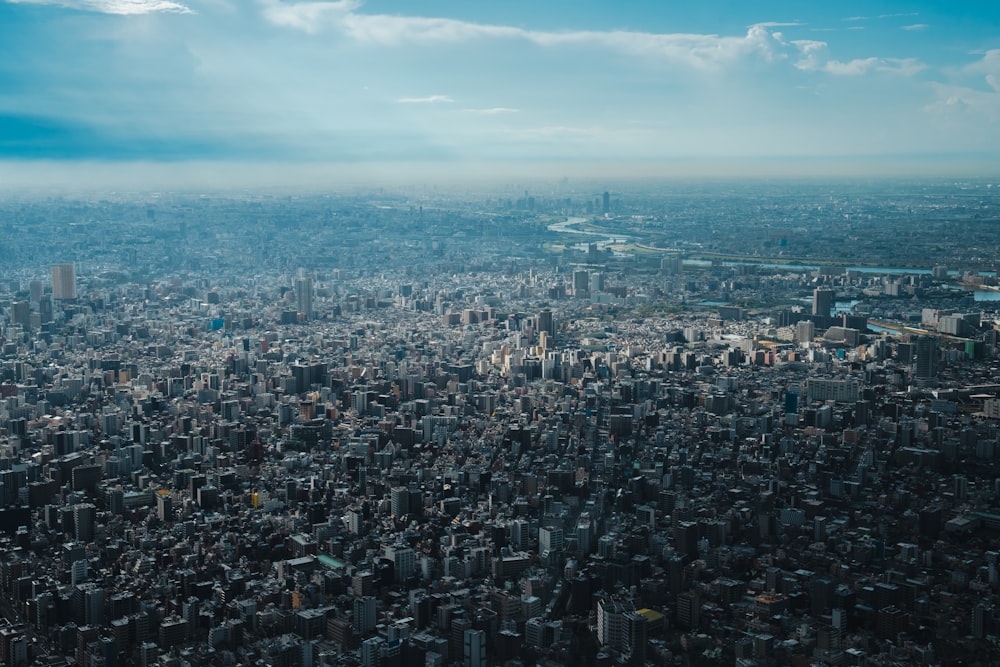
column 568, row 226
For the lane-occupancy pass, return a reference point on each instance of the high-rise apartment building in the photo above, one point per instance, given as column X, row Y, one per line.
column 926, row 357
column 64, row 281
column 304, row 296
column 822, row 301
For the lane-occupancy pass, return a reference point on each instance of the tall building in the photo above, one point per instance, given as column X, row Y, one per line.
column 671, row 264
column 545, row 322
column 84, row 515
column 399, row 499
column 805, row 331
column 64, row 281
column 596, row 282
column 474, row 648
column 36, row 290
column 364, row 614
column 927, row 357
column 634, row 637
column 550, row 539
column 88, row 602
column 822, row 301
column 304, row 296
column 686, row 539
column 688, row 608
column 610, row 622
column 20, row 313
column 404, row 561
column 371, row 650
column 519, row 533
column 585, row 535
column 164, row 507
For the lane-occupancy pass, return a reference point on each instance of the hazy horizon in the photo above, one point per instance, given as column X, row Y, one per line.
column 101, row 176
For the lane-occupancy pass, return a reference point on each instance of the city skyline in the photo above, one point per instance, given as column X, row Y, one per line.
column 293, row 91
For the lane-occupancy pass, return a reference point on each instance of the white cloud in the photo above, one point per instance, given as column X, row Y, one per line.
column 122, row 7
column 988, row 64
column 697, row 50
column 953, row 99
column 391, row 30
column 430, row 99
column 776, row 24
column 858, row 66
column 966, row 96
column 307, row 16
column 813, row 59
column 915, row 27
column 807, row 46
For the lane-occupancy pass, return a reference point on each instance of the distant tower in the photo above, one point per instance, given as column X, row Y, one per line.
column 805, row 331
column 597, row 282
column 164, row 508
column 64, row 281
column 606, row 202
column 927, row 357
column 671, row 264
column 20, row 313
column 546, row 323
column 822, row 301
column 36, row 289
column 83, row 521
column 304, row 296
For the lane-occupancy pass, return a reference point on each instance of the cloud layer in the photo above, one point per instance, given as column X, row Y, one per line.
column 121, row 7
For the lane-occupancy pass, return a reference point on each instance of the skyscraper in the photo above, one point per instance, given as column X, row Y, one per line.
column 64, row 281
column 822, row 301
column 36, row 289
column 399, row 501
column 304, row 296
column 546, row 323
column 20, row 313
column 805, row 331
column 927, row 356
column 83, row 521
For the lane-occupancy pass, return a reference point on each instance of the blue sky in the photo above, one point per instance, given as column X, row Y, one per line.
column 472, row 86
